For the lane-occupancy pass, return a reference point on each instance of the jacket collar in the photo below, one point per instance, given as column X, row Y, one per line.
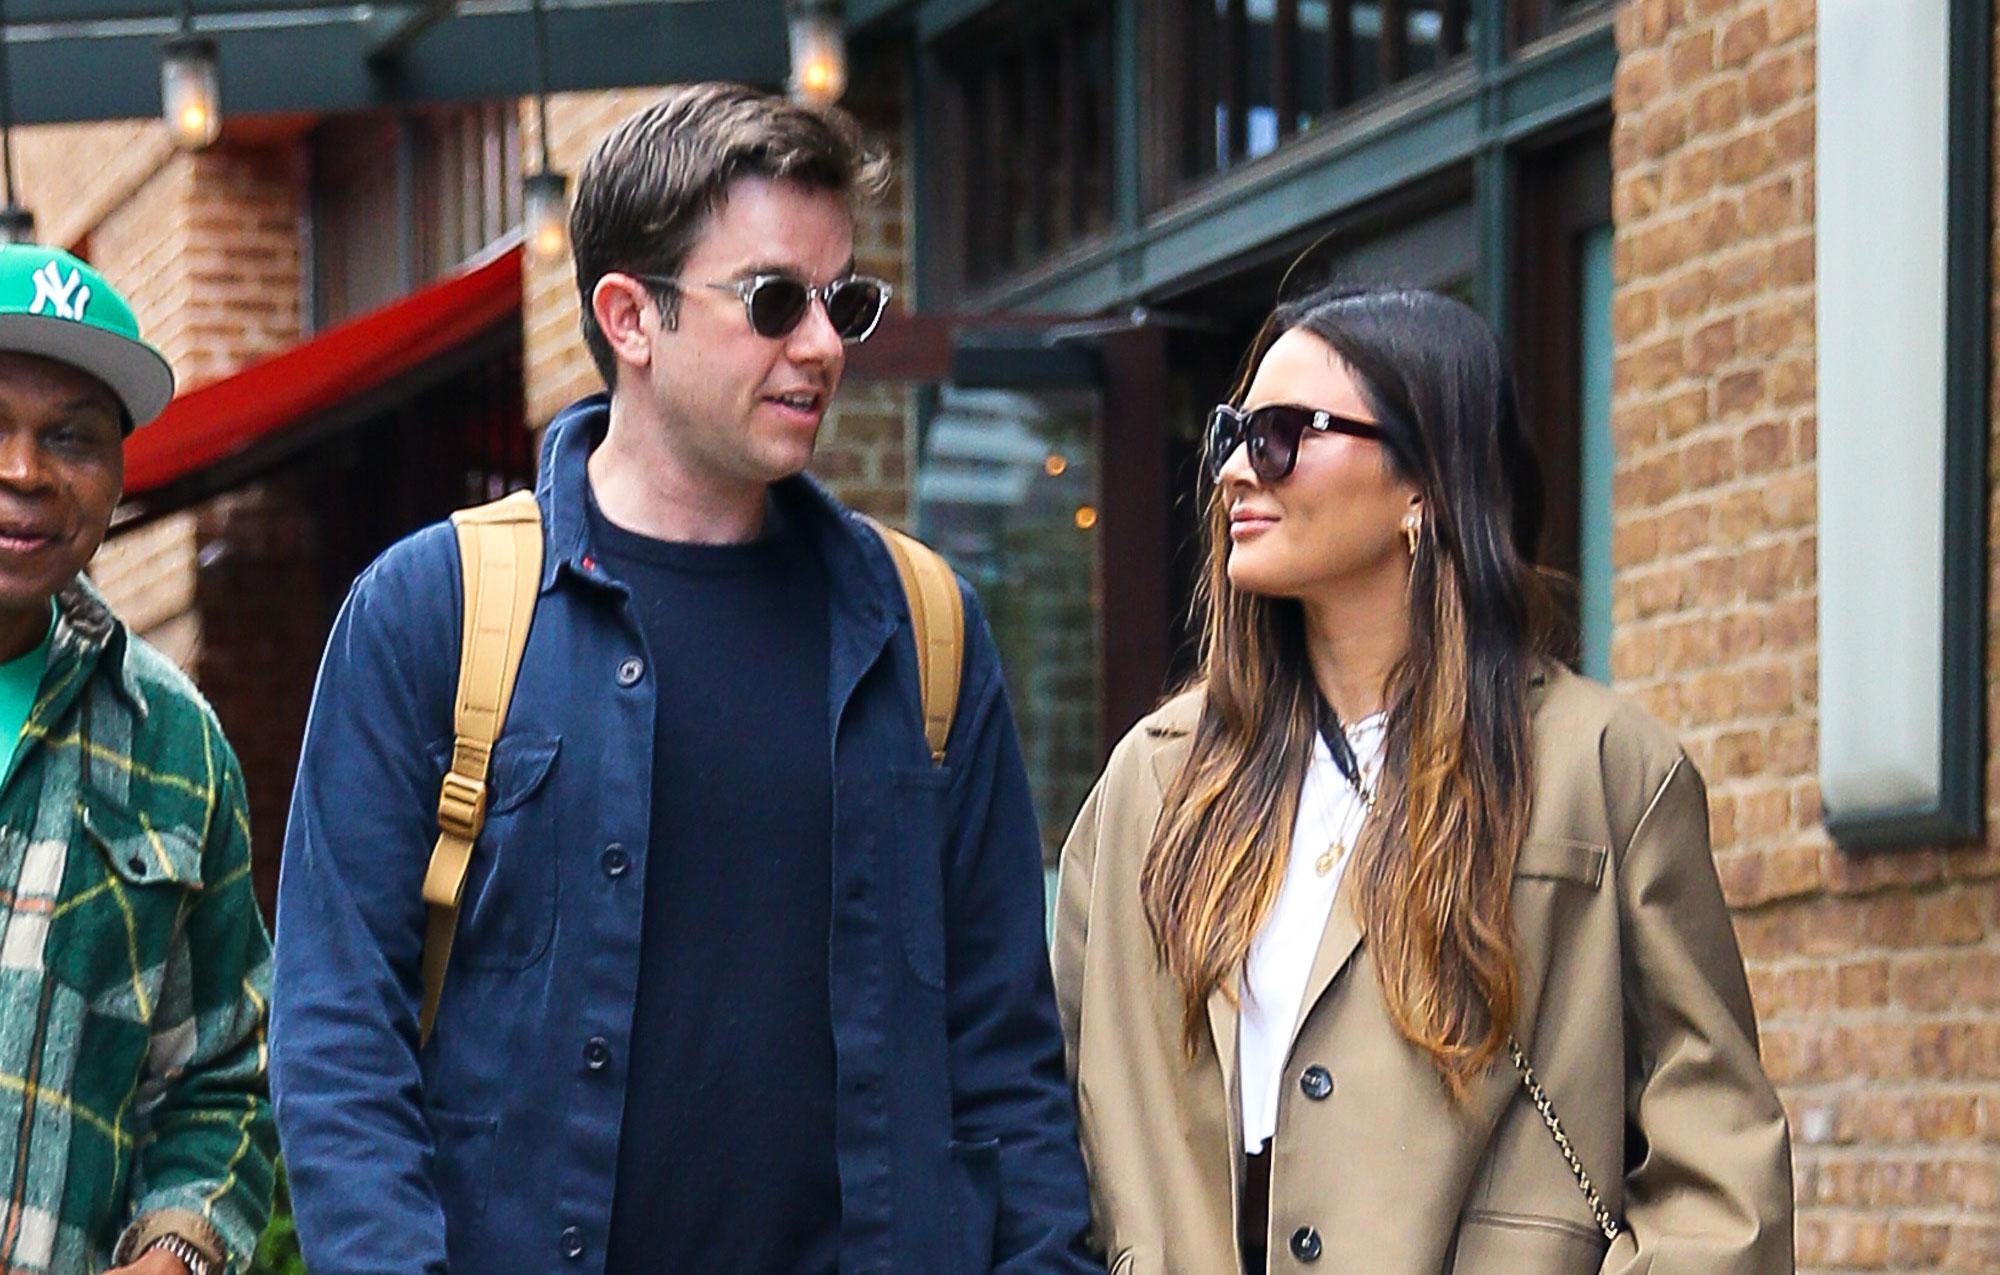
column 864, row 575
column 89, row 636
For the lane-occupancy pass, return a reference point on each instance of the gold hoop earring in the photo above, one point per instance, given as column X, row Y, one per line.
column 1411, row 530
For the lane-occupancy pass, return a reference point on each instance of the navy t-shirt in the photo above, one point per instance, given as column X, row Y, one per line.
column 726, row 1158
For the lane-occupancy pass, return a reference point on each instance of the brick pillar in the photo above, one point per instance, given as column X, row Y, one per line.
column 1877, row 981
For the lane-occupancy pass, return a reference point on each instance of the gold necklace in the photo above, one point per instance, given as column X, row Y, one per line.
column 1336, row 850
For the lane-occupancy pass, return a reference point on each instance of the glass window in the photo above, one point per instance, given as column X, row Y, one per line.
column 1007, row 490
column 1031, row 90
column 1529, row 20
column 399, row 200
column 1261, row 71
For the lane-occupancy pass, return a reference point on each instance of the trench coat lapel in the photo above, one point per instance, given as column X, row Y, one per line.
column 1224, row 1018
column 1174, row 733
column 1336, row 948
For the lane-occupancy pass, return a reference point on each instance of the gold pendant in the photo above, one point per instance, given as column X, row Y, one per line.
column 1324, row 864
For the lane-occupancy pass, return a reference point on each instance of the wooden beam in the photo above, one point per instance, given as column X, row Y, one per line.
column 1452, row 40
column 1235, row 80
column 1392, row 48
column 1285, row 65
column 1339, row 54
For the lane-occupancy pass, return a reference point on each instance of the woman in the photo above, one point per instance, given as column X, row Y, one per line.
column 1318, row 900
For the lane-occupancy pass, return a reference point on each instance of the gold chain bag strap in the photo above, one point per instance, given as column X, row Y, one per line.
column 1539, row 1096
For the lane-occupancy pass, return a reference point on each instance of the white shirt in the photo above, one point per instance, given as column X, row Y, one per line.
column 1281, row 956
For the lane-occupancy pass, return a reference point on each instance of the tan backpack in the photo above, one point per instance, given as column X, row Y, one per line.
column 500, row 551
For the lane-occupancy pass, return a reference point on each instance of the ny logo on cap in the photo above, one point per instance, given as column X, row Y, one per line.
column 66, row 298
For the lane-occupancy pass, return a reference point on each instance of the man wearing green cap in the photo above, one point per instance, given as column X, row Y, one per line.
column 134, row 969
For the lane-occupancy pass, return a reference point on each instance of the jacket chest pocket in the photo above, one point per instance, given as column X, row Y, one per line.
column 919, row 826
column 507, row 912
column 1558, row 902
column 1553, row 859
column 126, row 888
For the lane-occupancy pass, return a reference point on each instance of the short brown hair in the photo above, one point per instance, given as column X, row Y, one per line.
column 649, row 188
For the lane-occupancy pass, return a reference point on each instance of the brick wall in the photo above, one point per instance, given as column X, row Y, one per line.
column 863, row 452
column 1877, row 980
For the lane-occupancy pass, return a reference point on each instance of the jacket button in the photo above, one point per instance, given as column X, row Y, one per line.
column 1305, row 1244
column 616, row 860
column 572, row 1242
column 630, row 670
column 597, row 1054
column 1316, row 1083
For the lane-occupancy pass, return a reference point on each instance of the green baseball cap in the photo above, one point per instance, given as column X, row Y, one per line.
column 57, row 306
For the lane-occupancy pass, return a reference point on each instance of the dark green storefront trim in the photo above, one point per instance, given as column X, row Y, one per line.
column 1423, row 132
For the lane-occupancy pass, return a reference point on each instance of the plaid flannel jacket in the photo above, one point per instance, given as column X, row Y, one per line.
column 134, row 968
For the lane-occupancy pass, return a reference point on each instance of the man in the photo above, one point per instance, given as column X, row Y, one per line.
column 134, row 968
column 743, row 980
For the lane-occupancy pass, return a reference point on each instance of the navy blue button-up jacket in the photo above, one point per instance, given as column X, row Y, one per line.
column 492, row 1148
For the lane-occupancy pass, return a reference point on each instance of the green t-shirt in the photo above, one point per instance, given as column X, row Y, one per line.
column 20, row 679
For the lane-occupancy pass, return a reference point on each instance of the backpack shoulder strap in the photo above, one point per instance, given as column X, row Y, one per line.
column 500, row 556
column 937, row 616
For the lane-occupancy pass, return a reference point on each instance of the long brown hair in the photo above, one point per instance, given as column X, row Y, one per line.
column 1434, row 868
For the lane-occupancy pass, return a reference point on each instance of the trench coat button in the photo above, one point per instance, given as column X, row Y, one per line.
column 1305, row 1244
column 572, row 1242
column 616, row 860
column 630, row 670
column 597, row 1054
column 1316, row 1083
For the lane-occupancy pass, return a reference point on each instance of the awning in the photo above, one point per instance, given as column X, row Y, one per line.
column 100, row 59
column 257, row 416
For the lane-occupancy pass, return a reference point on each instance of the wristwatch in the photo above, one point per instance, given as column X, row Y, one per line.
column 179, row 1246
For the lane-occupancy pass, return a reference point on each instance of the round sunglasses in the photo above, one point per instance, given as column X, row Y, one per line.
column 777, row 303
column 1272, row 435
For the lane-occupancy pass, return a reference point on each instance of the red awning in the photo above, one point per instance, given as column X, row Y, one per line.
column 224, row 418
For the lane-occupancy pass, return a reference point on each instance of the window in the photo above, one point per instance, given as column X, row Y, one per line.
column 1560, row 330
column 1530, row 20
column 1032, row 92
column 1260, row 71
column 1902, row 297
column 400, row 200
column 1007, row 490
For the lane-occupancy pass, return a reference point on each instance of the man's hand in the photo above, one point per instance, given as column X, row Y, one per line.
column 153, row 1262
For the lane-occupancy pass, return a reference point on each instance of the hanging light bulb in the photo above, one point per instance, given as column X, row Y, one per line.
column 818, row 36
column 545, row 193
column 191, row 86
column 545, row 199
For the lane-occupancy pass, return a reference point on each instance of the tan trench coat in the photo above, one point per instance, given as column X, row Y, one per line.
column 1635, row 1014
